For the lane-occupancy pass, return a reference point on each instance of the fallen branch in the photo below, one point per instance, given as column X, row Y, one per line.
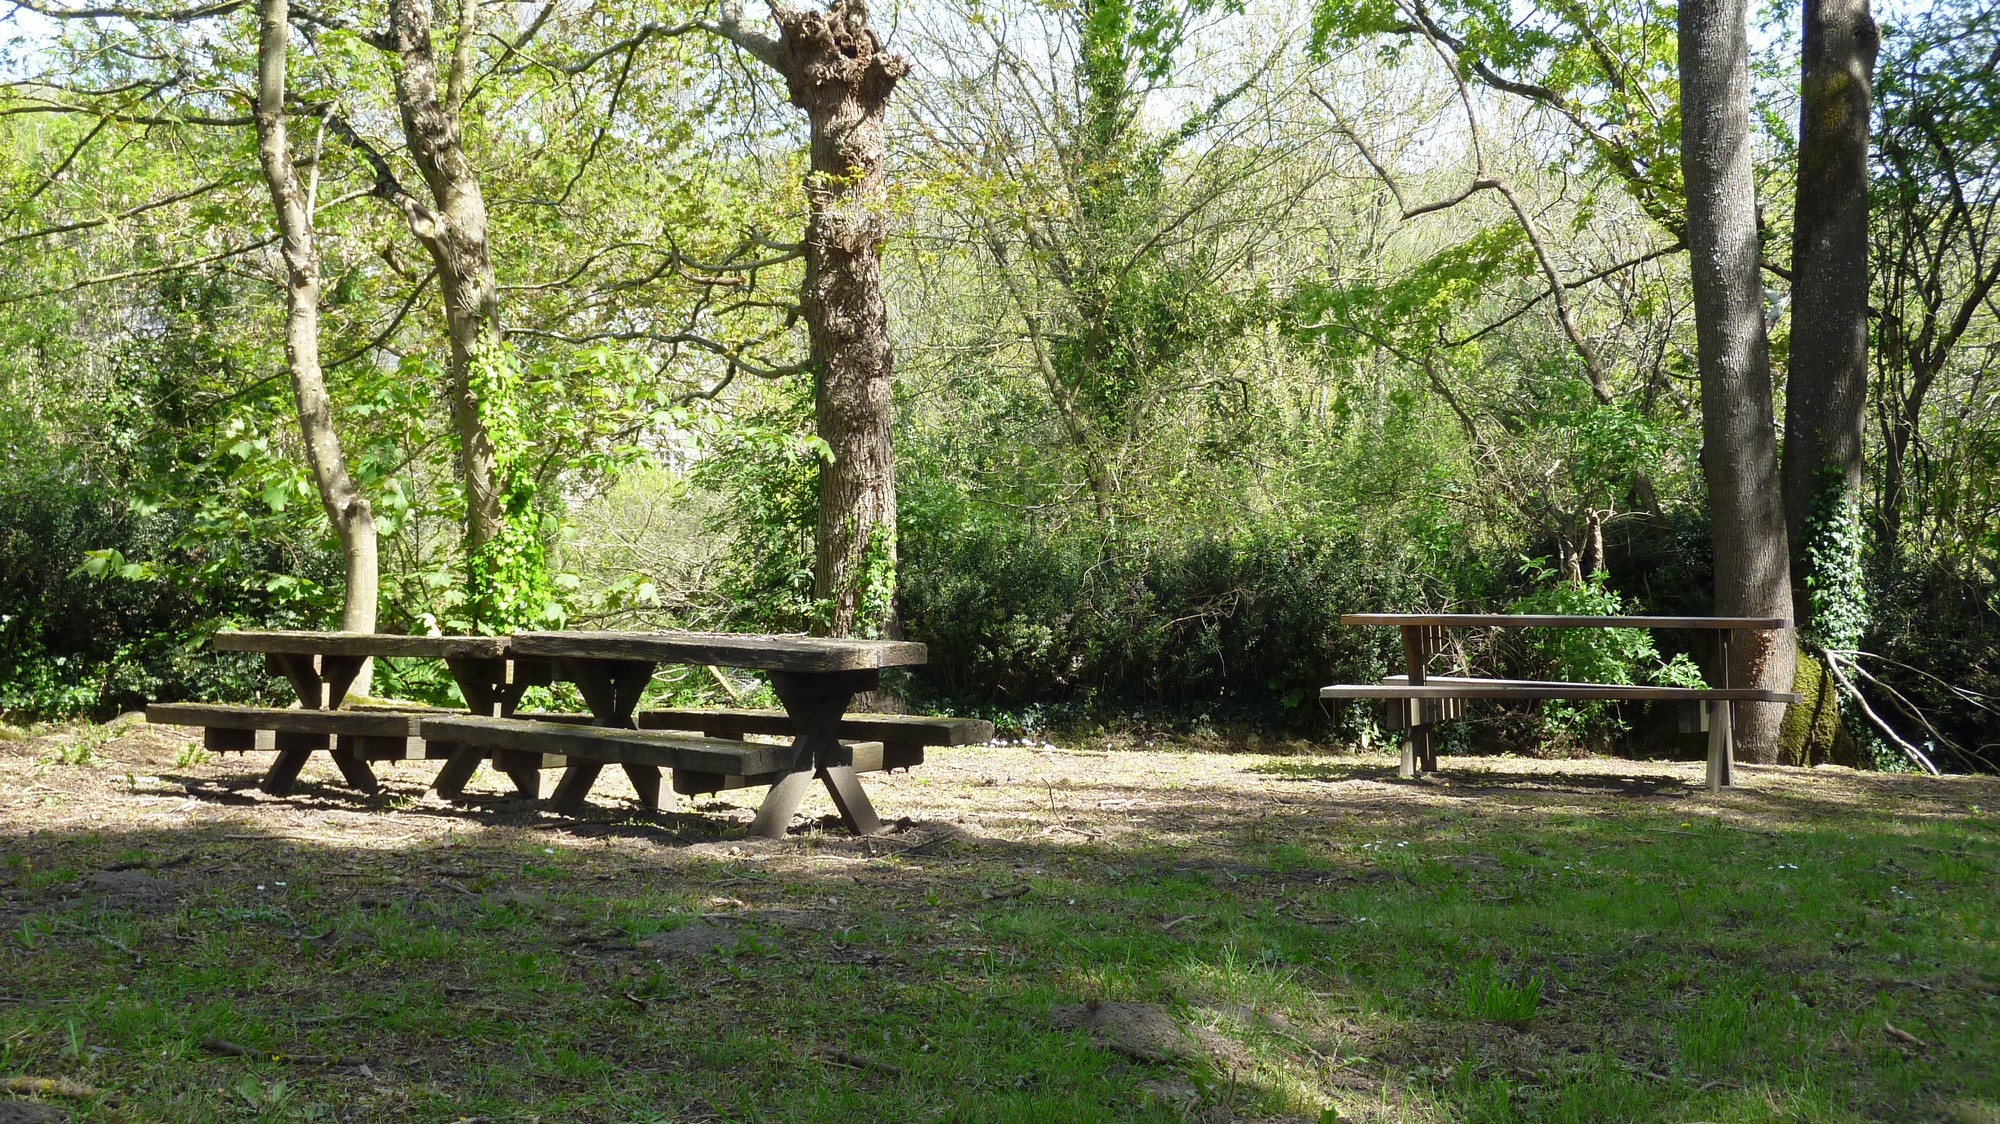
column 1904, row 1036
column 1840, row 678
column 855, row 1061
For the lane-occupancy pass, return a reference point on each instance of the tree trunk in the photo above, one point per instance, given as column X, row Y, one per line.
column 453, row 229
column 346, row 508
column 837, row 70
column 1739, row 449
column 1826, row 392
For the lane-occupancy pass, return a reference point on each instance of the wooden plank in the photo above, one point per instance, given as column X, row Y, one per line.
column 294, row 749
column 1721, row 747
column 1522, row 689
column 363, row 723
column 869, row 757
column 769, row 653
column 224, row 739
column 362, row 644
column 597, row 744
column 1544, row 620
column 913, row 728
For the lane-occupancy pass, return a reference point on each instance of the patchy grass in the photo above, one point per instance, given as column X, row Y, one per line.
column 1072, row 935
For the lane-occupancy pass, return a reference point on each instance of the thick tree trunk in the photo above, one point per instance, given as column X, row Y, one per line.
column 352, row 518
column 1826, row 393
column 454, row 230
column 1739, row 453
column 837, row 70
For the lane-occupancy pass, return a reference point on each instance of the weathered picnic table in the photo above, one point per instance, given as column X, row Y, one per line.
column 815, row 679
column 1416, row 701
column 321, row 666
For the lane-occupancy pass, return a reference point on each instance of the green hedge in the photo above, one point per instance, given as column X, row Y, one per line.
column 73, row 644
column 1059, row 629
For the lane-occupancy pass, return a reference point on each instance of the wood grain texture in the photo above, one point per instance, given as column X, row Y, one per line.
column 363, row 723
column 596, row 744
column 362, row 644
column 1544, row 620
column 908, row 728
column 807, row 654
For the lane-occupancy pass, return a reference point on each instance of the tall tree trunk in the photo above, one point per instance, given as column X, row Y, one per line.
column 1739, row 449
column 1826, row 393
column 838, row 71
column 346, row 508
column 452, row 227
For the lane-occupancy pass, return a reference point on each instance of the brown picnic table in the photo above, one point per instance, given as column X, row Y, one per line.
column 321, row 666
column 814, row 678
column 1415, row 701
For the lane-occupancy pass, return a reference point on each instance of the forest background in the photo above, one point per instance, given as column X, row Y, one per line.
column 1210, row 322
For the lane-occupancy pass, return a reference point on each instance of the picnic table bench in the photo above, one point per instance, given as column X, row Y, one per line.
column 321, row 666
column 815, row 678
column 1416, row 701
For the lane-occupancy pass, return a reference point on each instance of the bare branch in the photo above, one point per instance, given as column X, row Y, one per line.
column 132, row 274
column 126, row 12
column 755, row 41
column 424, row 222
column 1840, row 677
column 85, row 224
column 395, row 322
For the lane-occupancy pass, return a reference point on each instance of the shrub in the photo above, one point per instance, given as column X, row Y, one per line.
column 1068, row 627
column 73, row 643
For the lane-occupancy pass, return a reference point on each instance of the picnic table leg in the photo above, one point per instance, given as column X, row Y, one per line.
column 611, row 688
column 320, row 686
column 815, row 704
column 294, row 749
column 1721, row 747
column 1419, row 748
column 1407, row 768
column 458, row 769
column 491, row 686
column 1721, row 728
column 354, row 767
column 525, row 769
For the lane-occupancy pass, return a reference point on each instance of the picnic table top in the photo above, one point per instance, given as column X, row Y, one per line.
column 1548, row 620
column 304, row 643
column 809, row 654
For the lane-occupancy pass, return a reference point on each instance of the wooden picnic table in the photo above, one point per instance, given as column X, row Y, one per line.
column 815, row 678
column 321, row 666
column 1417, row 701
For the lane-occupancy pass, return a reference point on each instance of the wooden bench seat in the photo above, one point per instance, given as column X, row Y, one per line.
column 905, row 735
column 1416, row 706
column 698, row 764
column 351, row 737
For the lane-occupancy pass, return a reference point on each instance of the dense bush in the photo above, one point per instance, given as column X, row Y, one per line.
column 73, row 643
column 1063, row 628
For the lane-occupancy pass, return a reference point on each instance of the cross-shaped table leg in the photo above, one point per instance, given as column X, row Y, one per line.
column 320, row 687
column 815, row 703
column 490, row 687
column 611, row 688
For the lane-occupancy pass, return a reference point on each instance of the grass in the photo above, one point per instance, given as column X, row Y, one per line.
column 1350, row 949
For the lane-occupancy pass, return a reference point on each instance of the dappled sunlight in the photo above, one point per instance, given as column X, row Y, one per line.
column 1090, row 934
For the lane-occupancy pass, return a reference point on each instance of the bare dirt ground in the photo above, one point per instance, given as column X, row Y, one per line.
column 137, row 817
column 142, row 779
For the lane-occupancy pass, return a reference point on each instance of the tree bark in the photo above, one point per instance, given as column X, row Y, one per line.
column 1739, row 449
column 346, row 508
column 453, row 229
column 837, row 70
column 1826, row 390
